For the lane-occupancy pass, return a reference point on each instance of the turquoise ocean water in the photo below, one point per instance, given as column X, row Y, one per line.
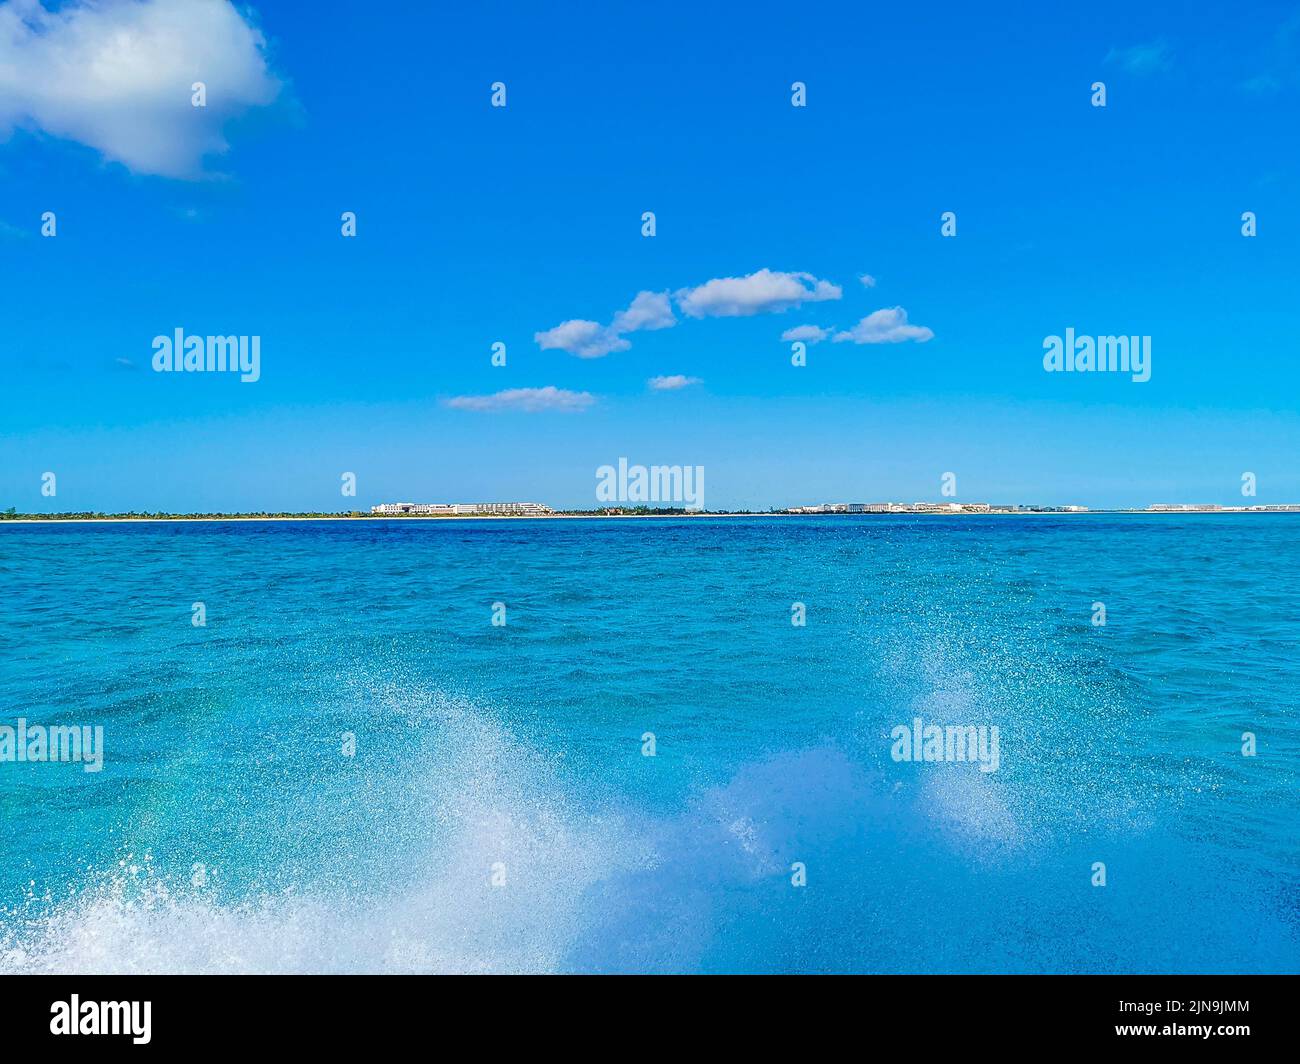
column 499, row 813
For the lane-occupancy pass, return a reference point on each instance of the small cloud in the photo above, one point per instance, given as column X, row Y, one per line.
column 762, row 292
column 888, row 326
column 124, row 363
column 672, row 383
column 527, row 400
column 1280, row 60
column 12, row 231
column 589, row 339
column 1262, row 84
column 1153, row 58
column 814, row 334
column 116, row 75
column 867, row 280
column 648, row 311
column 586, row 339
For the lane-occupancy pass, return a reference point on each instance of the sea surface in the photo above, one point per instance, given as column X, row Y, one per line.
column 500, row 812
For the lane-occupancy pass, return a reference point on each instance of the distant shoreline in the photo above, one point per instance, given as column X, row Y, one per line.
column 241, row 519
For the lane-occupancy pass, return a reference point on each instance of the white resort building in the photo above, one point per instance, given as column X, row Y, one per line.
column 451, row 509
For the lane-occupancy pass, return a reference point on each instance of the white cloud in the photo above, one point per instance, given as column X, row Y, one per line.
column 116, row 75
column 589, row 339
column 888, row 326
column 867, row 280
column 758, row 293
column 672, row 383
column 528, row 400
column 814, row 334
column 649, row 311
column 586, row 339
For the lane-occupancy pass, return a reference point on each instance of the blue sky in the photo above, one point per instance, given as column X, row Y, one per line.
column 478, row 224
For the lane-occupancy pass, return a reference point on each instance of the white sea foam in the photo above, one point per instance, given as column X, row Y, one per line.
column 583, row 891
column 488, row 812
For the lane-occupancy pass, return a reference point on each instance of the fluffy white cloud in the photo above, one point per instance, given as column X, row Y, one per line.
column 586, row 339
column 867, row 280
column 814, row 334
column 528, row 400
column 116, row 75
column 672, row 383
column 758, row 293
column 649, row 310
column 888, row 326
column 590, row 339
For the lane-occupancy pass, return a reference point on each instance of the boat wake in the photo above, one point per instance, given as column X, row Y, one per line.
column 483, row 856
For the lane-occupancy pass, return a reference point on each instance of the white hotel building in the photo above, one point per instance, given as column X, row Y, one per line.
column 452, row 509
